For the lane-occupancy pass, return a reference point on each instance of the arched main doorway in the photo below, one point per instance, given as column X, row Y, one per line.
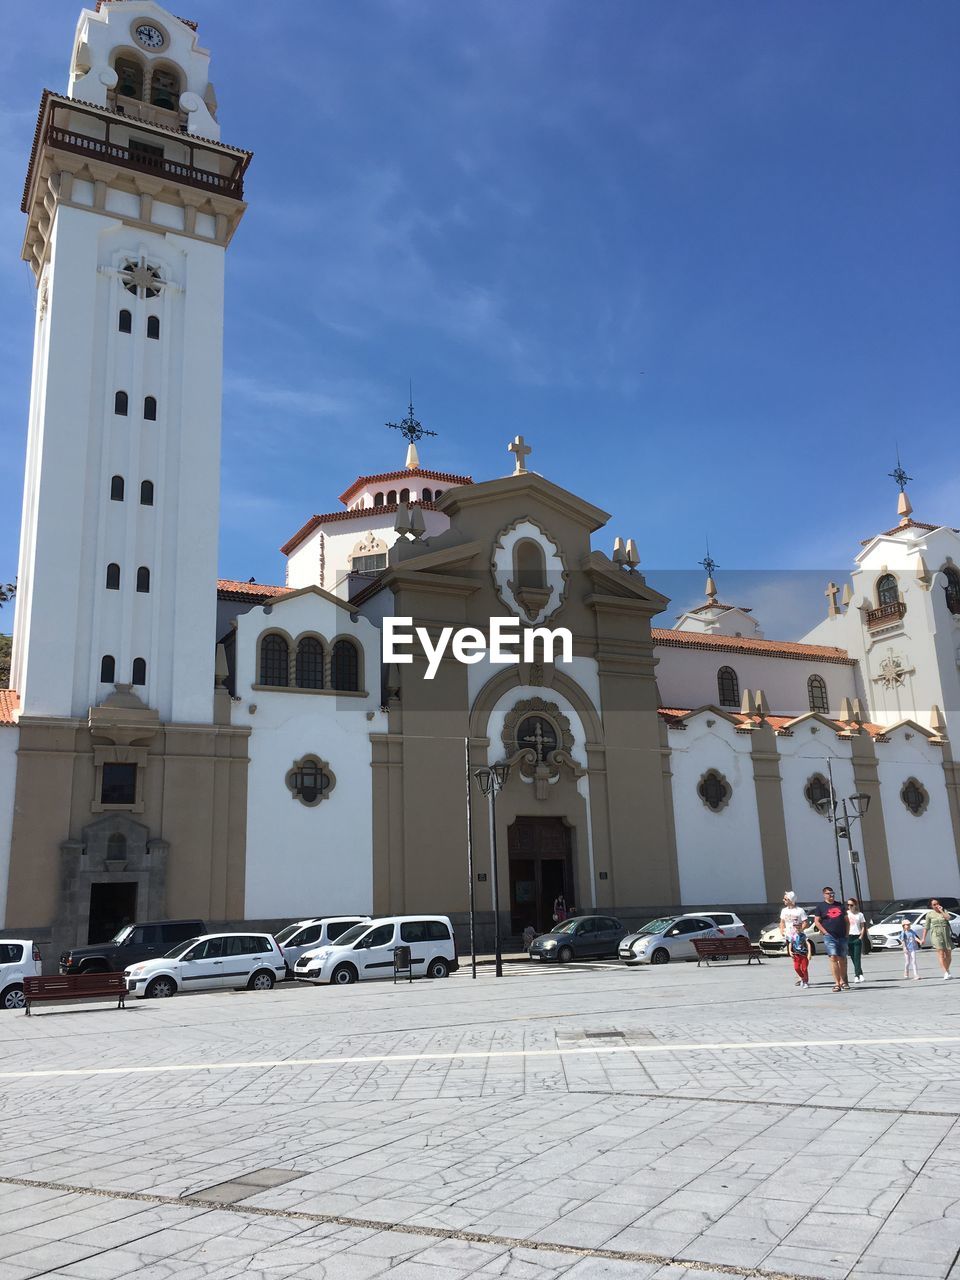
column 541, row 869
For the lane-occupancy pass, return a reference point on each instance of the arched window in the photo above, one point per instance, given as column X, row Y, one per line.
column 817, row 694
column 108, row 669
column 309, row 663
column 165, row 89
column 117, row 846
column 143, row 579
column 153, row 326
column 139, row 674
column 274, row 661
column 529, row 565
column 952, row 588
column 149, row 408
column 113, row 577
column 345, row 666
column 146, row 493
column 404, row 495
column 728, row 687
column 129, row 78
column 120, row 403
column 436, row 494
column 378, row 499
column 391, row 497
column 116, row 489
column 427, row 495
column 125, row 323
column 887, row 590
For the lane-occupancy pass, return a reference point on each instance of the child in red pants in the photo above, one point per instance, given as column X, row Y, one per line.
column 800, row 952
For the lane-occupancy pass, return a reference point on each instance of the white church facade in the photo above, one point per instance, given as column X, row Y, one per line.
column 172, row 745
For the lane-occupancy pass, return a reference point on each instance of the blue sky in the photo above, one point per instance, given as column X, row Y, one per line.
column 703, row 256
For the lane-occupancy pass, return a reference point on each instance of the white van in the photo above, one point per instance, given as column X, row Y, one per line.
column 318, row 931
column 366, row 951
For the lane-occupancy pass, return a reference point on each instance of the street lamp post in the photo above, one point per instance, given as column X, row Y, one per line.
column 843, row 819
column 490, row 781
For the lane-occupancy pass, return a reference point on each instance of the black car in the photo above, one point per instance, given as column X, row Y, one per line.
column 132, row 943
column 579, row 938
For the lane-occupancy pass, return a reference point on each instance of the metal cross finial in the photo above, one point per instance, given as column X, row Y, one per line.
column 409, row 427
column 522, row 450
column 899, row 474
column 709, row 563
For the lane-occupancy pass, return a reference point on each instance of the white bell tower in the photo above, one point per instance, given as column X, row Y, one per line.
column 131, row 201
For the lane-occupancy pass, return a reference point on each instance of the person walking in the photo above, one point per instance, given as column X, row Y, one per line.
column 793, row 919
column 910, row 946
column 937, row 923
column 801, row 950
column 831, row 920
column 856, row 933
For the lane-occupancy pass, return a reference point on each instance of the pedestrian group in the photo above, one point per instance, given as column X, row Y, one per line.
column 845, row 938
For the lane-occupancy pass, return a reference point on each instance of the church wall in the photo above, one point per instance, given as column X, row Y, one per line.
column 9, row 740
column 338, row 541
column 583, row 671
column 922, row 851
column 301, row 859
column 687, row 679
column 813, row 856
column 719, row 854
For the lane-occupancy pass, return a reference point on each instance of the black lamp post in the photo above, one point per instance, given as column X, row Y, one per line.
column 844, row 818
column 490, row 781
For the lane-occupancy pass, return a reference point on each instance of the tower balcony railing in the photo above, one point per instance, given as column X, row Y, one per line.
column 116, row 153
column 886, row 614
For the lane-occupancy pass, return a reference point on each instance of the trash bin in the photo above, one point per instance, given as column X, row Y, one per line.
column 401, row 964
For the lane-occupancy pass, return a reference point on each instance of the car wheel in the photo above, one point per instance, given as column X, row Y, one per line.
column 564, row 955
column 263, row 980
column 160, row 989
column 438, row 969
column 13, row 998
column 660, row 956
column 343, row 975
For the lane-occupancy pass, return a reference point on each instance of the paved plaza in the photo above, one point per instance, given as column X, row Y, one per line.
column 585, row 1122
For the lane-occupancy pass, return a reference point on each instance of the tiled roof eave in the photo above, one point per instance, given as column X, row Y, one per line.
column 793, row 650
column 417, row 473
column 364, row 514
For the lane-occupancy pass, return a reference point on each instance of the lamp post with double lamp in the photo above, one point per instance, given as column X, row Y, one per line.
column 843, row 817
column 490, row 781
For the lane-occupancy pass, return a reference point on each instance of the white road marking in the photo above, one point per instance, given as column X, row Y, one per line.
column 644, row 1050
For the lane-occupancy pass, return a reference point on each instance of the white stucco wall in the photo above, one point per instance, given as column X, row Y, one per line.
column 9, row 738
column 922, row 852
column 323, row 558
column 300, row 860
column 810, row 838
column 719, row 854
column 687, row 678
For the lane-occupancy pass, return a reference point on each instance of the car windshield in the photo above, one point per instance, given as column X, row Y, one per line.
column 286, row 934
column 898, row 917
column 175, row 952
column 352, row 935
column 123, row 934
column 568, row 926
column 658, row 926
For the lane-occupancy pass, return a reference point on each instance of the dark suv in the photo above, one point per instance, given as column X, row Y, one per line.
column 133, row 942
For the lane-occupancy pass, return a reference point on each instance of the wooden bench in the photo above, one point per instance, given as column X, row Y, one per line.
column 75, row 986
column 725, row 949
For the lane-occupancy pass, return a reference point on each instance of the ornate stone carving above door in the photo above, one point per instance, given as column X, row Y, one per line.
column 538, row 740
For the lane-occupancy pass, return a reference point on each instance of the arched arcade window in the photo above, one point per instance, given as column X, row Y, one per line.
column 817, row 695
column 728, row 687
column 129, row 78
column 165, row 89
column 378, row 499
column 427, row 495
column 309, row 663
column 887, row 590
column 274, row 661
column 345, row 666
column 391, row 497
column 116, row 489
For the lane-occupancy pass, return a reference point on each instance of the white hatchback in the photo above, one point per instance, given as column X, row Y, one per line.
column 885, row 936
column 367, row 951
column 306, row 935
column 212, row 962
column 19, row 959
column 672, row 937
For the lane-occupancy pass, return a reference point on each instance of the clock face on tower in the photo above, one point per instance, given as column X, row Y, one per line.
column 149, row 36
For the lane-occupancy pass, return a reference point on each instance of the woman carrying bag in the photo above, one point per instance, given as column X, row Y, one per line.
column 857, row 940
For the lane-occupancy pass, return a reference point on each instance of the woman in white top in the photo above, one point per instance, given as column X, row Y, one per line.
column 856, row 932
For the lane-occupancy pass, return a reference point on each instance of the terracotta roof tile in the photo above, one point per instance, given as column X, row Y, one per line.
column 705, row 608
column 779, row 724
column 9, row 702
column 744, row 644
column 909, row 524
column 363, row 514
column 444, row 477
column 231, row 589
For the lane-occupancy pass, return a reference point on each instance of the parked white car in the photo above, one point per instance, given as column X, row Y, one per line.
column 885, row 935
column 318, row 931
column 366, row 951
column 19, row 959
column 774, row 943
column 211, row 962
column 671, row 937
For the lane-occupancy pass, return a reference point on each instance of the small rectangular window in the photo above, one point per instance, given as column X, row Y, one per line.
column 368, row 564
column 437, row 931
column 119, row 784
column 10, row 952
column 413, row 931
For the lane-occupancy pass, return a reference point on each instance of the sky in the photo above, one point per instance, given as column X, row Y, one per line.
column 704, row 257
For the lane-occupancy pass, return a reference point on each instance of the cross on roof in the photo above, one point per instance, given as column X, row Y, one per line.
column 521, row 450
column 709, row 563
column 409, row 427
column 899, row 474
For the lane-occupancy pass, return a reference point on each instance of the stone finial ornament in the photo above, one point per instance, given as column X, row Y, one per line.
column 633, row 555
column 619, row 552
column 748, row 703
column 938, row 721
